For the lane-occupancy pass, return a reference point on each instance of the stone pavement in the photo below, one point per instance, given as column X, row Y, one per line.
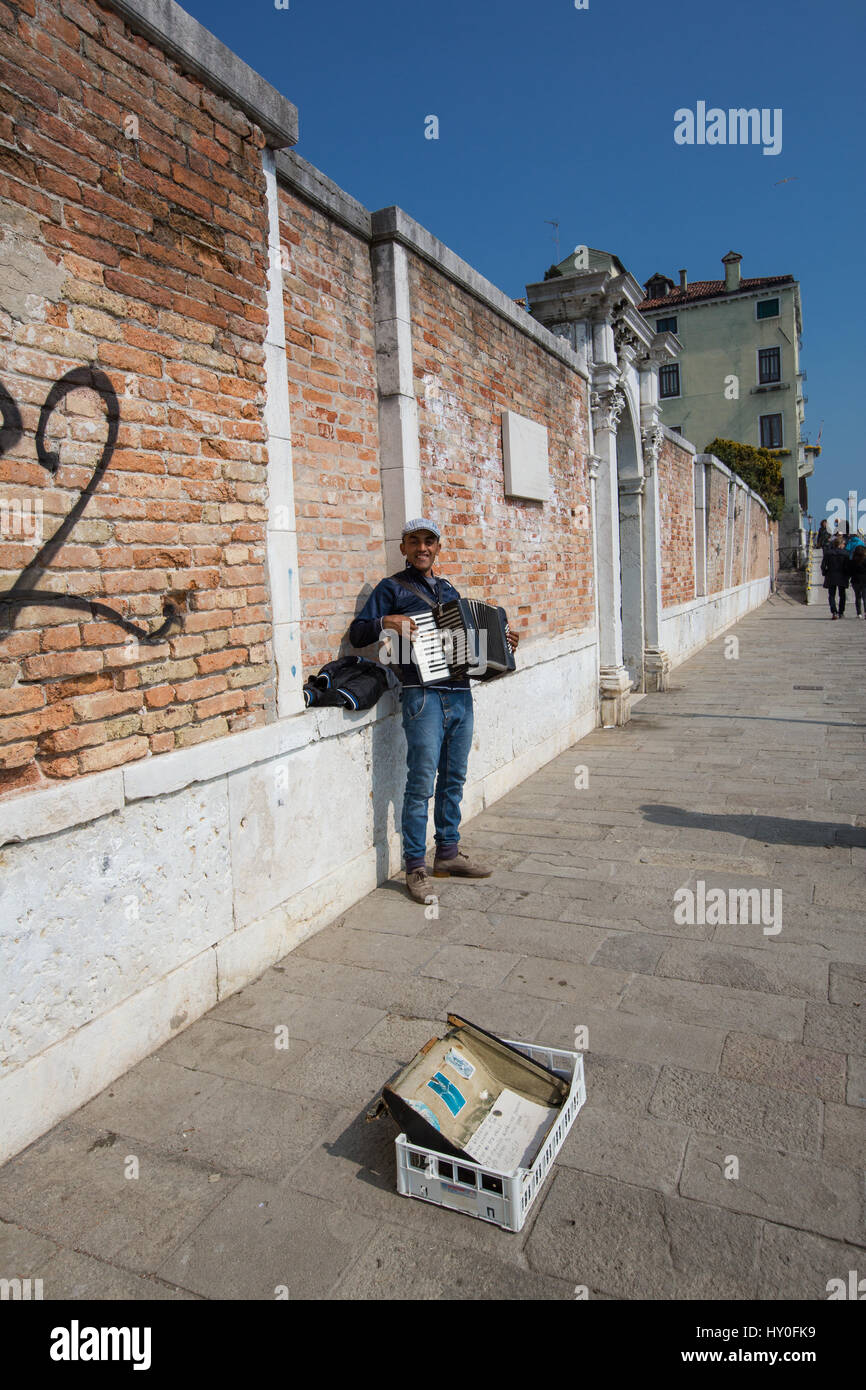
column 720, row 1151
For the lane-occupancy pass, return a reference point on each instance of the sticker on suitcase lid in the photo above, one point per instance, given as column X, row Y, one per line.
column 454, row 1099
column 426, row 1112
column 461, row 1065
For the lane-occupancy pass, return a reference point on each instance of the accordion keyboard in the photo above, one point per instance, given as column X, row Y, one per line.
column 430, row 648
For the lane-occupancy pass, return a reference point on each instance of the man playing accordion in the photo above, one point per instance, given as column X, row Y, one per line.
column 437, row 716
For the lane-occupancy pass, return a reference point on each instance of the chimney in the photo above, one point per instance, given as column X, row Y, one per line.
column 683, row 281
column 731, row 262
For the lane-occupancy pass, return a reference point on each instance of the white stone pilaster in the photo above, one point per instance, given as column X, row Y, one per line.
column 398, row 410
column 656, row 661
column 700, row 528
column 614, row 680
column 282, row 527
column 730, row 528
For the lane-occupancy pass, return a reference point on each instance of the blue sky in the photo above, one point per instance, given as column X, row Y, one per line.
column 546, row 111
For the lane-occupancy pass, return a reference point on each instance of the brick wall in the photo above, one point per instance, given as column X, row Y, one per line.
column 533, row 558
column 677, row 523
column 331, row 356
column 717, row 511
column 136, row 200
column 759, row 540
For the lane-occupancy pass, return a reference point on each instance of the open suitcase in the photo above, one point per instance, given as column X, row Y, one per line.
column 482, row 1120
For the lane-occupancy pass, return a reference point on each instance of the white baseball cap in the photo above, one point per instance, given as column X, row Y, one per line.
column 421, row 523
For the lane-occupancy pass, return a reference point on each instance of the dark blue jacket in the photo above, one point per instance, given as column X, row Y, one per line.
column 391, row 597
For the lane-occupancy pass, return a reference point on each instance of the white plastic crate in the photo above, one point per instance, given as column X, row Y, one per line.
column 478, row 1190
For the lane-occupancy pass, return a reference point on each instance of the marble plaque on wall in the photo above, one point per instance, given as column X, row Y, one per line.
column 524, row 451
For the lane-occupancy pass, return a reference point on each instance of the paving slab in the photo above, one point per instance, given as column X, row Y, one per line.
column 526, row 936
column 371, row 949
column 632, row 952
column 233, row 1050
column 716, row 1006
column 795, row 1264
column 717, row 1105
column 795, row 974
column 78, row 1186
column 377, row 990
column 23, row 1252
column 636, row 1037
column 632, row 1148
column 839, row 1025
column 633, row 1243
column 856, row 1094
column 807, row 1194
column 470, row 965
column 343, row 1077
column 72, row 1277
column 615, row 1084
column 848, row 983
column 845, row 1136
column 267, row 1242
column 786, row 1065
column 400, row 1266
column 564, row 981
column 511, row 1015
column 312, row 1019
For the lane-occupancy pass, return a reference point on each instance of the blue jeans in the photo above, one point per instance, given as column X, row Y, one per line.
column 438, row 726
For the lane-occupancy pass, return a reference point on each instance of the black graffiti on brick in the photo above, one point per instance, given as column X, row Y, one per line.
column 23, row 593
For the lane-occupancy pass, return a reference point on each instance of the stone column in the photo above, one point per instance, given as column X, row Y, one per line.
column 631, row 491
column 400, row 467
column 614, row 679
column 657, row 662
column 282, row 538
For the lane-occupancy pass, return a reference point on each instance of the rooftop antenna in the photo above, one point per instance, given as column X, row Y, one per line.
column 555, row 225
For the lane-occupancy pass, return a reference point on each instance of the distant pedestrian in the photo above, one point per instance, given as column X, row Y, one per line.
column 823, row 534
column 836, row 569
column 857, row 560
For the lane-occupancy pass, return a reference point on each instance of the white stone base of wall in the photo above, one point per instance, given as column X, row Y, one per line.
column 135, row 901
column 689, row 626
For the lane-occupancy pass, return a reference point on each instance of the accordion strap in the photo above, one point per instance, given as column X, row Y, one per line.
column 415, row 589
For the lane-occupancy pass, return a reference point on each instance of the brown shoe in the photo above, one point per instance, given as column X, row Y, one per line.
column 419, row 885
column 461, row 866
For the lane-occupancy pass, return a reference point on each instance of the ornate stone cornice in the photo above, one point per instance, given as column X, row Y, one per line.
column 626, row 341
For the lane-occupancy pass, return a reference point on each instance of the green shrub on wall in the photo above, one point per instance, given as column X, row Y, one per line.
column 760, row 468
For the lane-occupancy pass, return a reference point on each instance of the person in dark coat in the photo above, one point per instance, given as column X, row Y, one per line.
column 857, row 560
column 836, row 569
column 823, row 535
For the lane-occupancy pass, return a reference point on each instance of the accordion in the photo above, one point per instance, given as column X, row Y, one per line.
column 462, row 638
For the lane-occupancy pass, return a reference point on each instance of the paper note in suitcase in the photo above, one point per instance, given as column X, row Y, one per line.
column 510, row 1134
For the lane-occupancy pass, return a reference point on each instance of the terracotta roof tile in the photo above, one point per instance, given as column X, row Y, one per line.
column 710, row 289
